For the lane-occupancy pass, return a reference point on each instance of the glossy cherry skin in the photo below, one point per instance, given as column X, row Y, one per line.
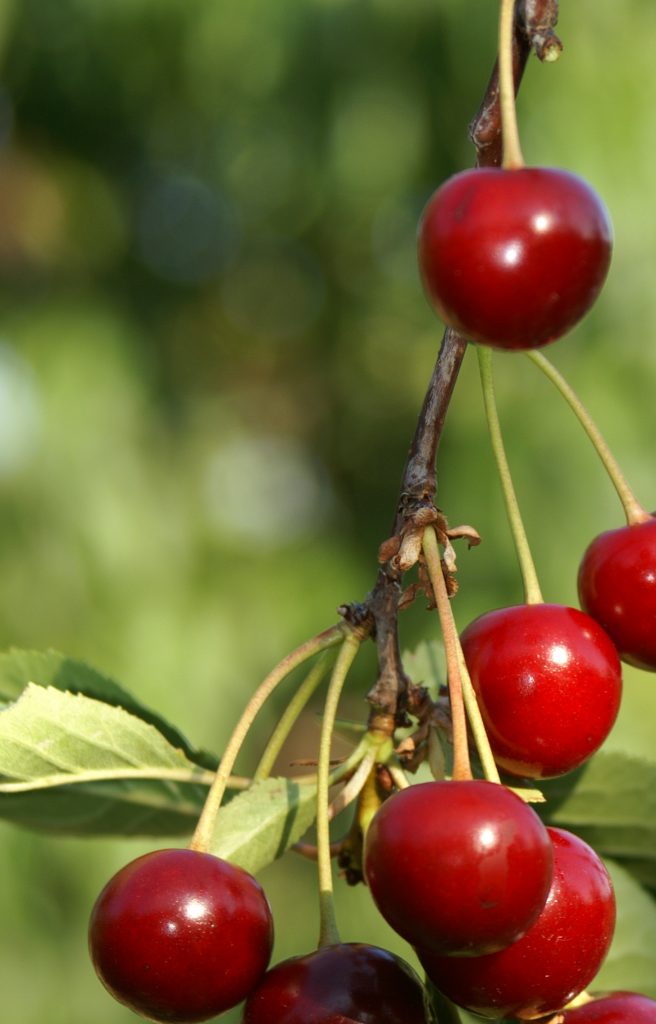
column 514, row 258
column 461, row 868
column 349, row 983
column 179, row 935
column 617, row 587
column 556, row 958
column 548, row 682
column 614, row 1008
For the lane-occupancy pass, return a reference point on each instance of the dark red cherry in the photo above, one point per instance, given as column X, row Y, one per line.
column 548, row 682
column 514, row 258
column 614, row 1008
column 179, row 935
column 617, row 587
column 458, row 867
column 556, row 958
column 341, row 984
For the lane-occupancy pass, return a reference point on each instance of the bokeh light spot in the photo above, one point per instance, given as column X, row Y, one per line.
column 20, row 411
column 186, row 232
column 378, row 137
column 265, row 490
column 275, row 291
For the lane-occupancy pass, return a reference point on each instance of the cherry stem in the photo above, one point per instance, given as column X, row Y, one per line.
column 532, row 592
column 512, row 152
column 309, row 850
column 352, row 789
column 289, row 717
column 476, row 724
column 400, row 779
column 352, row 762
column 633, row 510
column 461, row 765
column 328, row 933
column 450, row 630
column 202, row 837
column 368, row 803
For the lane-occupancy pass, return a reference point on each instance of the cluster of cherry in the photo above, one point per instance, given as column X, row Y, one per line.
column 513, row 258
column 508, row 918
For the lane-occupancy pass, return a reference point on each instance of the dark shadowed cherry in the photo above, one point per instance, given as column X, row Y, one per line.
column 514, row 258
column 548, row 682
column 556, row 959
column 458, row 867
column 179, row 935
column 614, row 1008
column 617, row 587
column 349, row 983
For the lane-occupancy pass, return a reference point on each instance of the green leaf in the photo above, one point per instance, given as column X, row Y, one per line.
column 50, row 668
column 426, row 665
column 611, row 803
column 631, row 961
column 257, row 826
column 72, row 764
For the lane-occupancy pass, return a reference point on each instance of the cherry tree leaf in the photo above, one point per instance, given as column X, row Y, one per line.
column 611, row 803
column 72, row 764
column 259, row 825
column 630, row 961
column 426, row 665
column 50, row 668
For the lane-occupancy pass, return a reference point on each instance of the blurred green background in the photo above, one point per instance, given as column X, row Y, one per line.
column 213, row 347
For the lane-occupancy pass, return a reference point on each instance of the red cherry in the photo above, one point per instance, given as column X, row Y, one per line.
column 458, row 867
column 514, row 258
column 556, row 958
column 342, row 984
column 617, row 587
column 615, row 1008
column 179, row 935
column 548, row 682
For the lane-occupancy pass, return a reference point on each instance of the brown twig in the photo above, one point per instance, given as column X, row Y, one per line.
column 392, row 691
column 540, row 18
column 534, row 28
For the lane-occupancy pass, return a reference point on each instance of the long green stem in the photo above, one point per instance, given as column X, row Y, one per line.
column 461, row 766
column 399, row 776
column 351, row 790
column 633, row 510
column 368, row 803
column 289, row 717
column 328, row 933
column 202, row 837
column 532, row 592
column 197, row 776
column 351, row 764
column 453, row 651
column 488, row 764
column 512, row 152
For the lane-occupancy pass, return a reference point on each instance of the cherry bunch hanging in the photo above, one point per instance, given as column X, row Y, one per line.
column 508, row 918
